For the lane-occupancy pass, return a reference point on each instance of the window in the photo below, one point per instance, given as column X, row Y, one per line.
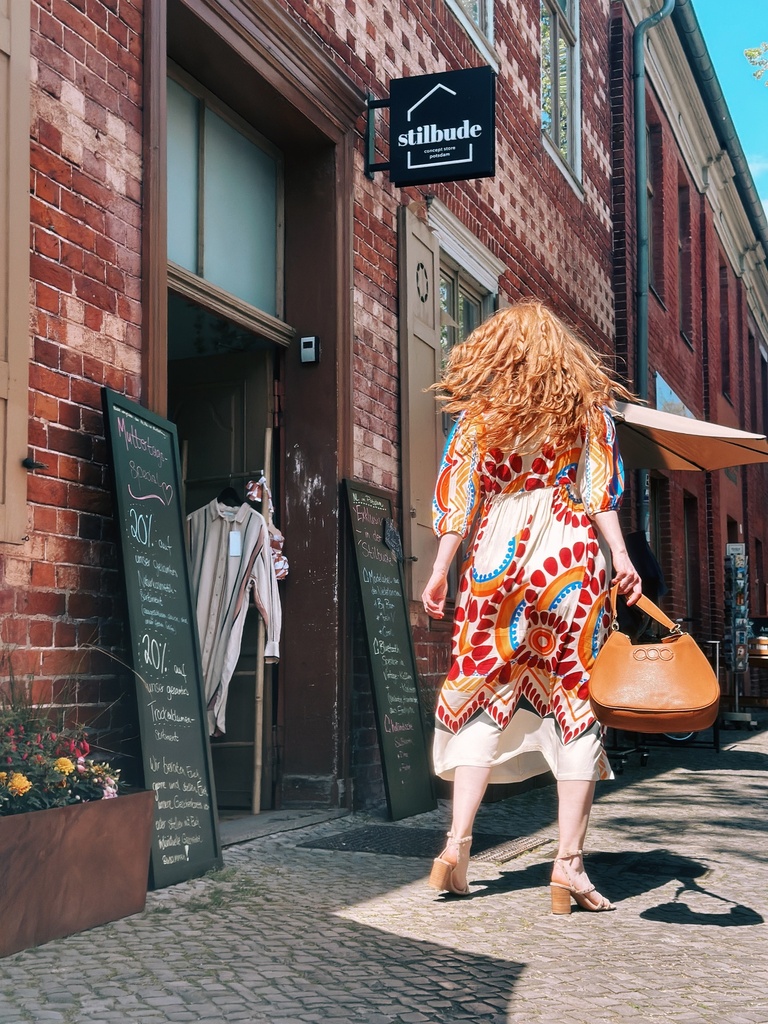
column 224, row 198
column 692, row 560
column 659, row 521
column 558, row 20
column 753, row 376
column 725, row 334
column 758, row 580
column 476, row 18
column 462, row 306
column 480, row 13
column 684, row 312
column 653, row 170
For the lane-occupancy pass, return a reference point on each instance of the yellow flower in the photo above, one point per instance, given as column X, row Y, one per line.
column 3, row 778
column 64, row 765
column 19, row 784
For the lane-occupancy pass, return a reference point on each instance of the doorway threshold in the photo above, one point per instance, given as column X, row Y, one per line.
column 241, row 829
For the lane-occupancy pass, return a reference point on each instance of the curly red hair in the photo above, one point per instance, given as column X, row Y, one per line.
column 529, row 377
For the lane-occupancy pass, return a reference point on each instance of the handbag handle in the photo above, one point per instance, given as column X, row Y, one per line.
column 646, row 605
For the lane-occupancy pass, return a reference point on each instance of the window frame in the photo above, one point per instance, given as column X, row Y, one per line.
column 565, row 25
column 193, row 284
column 654, row 164
column 691, row 556
column 451, row 245
column 684, row 264
column 482, row 36
column 725, row 332
column 464, row 284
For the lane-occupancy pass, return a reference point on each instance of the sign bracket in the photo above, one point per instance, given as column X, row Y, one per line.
column 371, row 166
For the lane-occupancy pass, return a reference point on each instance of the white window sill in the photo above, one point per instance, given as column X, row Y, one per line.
column 483, row 45
column 568, row 172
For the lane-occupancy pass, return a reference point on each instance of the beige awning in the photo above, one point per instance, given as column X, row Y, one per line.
column 650, row 439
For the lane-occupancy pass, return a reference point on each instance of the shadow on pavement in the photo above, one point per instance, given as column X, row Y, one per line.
column 298, row 956
column 624, row 875
column 629, row 874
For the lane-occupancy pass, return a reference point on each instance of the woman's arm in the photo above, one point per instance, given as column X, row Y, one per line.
column 624, row 573
column 436, row 590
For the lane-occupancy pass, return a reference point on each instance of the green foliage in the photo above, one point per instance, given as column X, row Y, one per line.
column 758, row 58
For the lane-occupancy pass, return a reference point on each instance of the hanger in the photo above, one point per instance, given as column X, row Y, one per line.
column 229, row 496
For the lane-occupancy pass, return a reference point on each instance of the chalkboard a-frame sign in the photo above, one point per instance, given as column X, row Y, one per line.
column 407, row 773
column 163, row 636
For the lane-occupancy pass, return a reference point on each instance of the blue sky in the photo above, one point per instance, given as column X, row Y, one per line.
column 729, row 27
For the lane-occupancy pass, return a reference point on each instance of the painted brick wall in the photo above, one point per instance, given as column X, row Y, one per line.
column 59, row 611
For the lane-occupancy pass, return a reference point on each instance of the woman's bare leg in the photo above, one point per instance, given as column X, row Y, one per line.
column 469, row 785
column 575, row 800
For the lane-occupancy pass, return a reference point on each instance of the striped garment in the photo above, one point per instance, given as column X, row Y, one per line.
column 230, row 557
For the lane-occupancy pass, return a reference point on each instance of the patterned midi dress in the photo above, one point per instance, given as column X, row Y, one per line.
column 531, row 612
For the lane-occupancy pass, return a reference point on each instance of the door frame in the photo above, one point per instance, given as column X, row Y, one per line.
column 316, row 108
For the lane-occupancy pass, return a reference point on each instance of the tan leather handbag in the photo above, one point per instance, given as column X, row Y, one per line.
column 667, row 686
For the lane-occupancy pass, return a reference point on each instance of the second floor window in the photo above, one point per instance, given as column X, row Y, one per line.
column 653, row 173
column 558, row 87
column 478, row 13
column 725, row 333
column 685, row 318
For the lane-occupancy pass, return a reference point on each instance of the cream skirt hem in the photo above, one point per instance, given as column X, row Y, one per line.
column 529, row 746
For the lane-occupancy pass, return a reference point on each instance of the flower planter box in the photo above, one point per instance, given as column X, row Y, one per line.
column 71, row 868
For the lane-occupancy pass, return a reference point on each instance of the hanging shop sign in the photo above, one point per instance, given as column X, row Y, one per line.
column 441, row 127
column 164, row 648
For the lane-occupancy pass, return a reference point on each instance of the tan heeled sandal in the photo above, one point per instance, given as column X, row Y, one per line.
column 441, row 876
column 561, row 893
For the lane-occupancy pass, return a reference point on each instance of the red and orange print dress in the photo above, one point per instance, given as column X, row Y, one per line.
column 531, row 612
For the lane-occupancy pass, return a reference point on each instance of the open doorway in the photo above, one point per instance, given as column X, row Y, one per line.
column 220, row 392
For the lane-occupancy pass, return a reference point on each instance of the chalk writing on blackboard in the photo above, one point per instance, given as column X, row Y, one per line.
column 164, row 642
column 390, row 653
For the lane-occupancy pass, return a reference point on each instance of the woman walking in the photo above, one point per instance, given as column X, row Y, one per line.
column 533, row 459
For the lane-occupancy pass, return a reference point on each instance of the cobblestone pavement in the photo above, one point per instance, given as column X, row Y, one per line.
column 287, row 934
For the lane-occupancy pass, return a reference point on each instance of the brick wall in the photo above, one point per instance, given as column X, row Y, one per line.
column 59, row 609
column 689, row 363
column 528, row 215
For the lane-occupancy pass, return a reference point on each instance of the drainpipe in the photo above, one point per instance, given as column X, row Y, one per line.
column 641, row 200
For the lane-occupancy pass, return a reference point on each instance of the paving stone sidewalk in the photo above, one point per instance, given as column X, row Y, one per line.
column 288, row 933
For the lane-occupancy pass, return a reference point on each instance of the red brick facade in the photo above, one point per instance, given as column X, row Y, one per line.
column 686, row 350
column 61, row 613
column 61, row 589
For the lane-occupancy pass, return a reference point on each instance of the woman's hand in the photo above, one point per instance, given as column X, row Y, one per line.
column 626, row 577
column 435, row 593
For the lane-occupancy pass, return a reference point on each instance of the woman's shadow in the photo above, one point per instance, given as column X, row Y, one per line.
column 631, row 873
